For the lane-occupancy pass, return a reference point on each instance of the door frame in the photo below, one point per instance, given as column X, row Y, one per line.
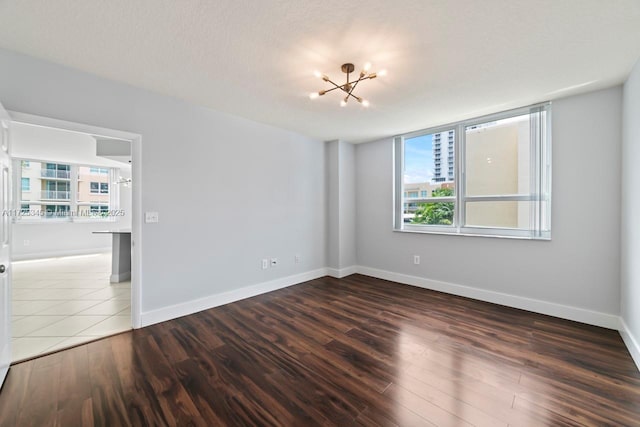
column 6, row 344
column 136, row 193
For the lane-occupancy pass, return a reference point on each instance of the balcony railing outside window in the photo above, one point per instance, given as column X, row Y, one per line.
column 51, row 173
column 56, row 195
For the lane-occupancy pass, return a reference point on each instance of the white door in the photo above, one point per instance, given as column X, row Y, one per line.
column 5, row 239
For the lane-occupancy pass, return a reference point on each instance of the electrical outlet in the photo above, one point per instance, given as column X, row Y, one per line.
column 297, row 259
column 274, row 262
column 416, row 259
column 265, row 263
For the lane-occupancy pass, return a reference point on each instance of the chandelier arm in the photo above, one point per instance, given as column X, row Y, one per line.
column 353, row 87
column 336, row 86
column 367, row 77
column 333, row 88
column 353, row 96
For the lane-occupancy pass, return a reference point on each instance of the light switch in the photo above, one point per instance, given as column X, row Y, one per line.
column 151, row 217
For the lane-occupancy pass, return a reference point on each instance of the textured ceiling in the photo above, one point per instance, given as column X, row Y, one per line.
column 446, row 59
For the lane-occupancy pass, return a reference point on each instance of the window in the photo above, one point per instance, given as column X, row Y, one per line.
column 499, row 185
column 56, row 171
column 98, row 210
column 100, row 187
column 423, row 169
column 56, row 190
column 56, row 211
column 64, row 192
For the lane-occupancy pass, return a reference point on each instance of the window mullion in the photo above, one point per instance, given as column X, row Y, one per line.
column 398, row 152
column 460, row 176
column 114, row 189
column 535, row 174
column 73, row 188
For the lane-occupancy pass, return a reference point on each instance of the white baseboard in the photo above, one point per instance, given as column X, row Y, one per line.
column 343, row 272
column 200, row 304
column 632, row 344
column 58, row 254
column 582, row 315
column 117, row 278
column 5, row 360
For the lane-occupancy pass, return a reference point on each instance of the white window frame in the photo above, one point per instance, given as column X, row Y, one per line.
column 540, row 185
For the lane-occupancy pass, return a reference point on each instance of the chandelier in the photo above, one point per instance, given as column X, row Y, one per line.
column 350, row 85
column 125, row 182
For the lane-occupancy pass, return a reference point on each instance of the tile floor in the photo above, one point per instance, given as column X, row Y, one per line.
column 61, row 302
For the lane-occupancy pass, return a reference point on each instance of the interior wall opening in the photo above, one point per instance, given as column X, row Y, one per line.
column 71, row 238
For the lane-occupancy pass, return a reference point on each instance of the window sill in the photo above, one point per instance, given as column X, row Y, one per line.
column 480, row 233
column 62, row 221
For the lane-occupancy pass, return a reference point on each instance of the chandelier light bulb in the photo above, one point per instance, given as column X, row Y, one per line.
column 367, row 66
column 365, row 103
column 314, row 95
column 343, row 103
column 382, row 73
column 317, row 73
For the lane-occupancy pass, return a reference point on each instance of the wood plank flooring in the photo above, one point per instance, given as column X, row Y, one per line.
column 352, row 351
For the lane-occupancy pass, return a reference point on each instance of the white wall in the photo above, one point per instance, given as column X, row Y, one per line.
column 630, row 256
column 53, row 240
column 42, row 143
column 229, row 191
column 575, row 275
column 341, row 237
column 332, row 165
column 347, row 198
column 46, row 239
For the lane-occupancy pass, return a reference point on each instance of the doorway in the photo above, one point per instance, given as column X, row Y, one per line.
column 64, row 288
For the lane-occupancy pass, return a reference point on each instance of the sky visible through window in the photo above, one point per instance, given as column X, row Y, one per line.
column 418, row 159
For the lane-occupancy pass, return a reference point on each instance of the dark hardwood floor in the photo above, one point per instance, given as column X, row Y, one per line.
column 353, row 351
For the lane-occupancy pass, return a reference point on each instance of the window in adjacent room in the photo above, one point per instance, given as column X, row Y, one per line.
column 56, row 211
column 100, row 187
column 98, row 171
column 66, row 192
column 97, row 211
column 94, row 199
column 499, row 184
